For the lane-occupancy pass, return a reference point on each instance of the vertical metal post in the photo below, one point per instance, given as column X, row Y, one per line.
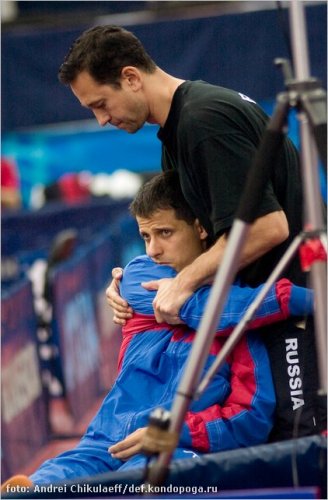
column 313, row 215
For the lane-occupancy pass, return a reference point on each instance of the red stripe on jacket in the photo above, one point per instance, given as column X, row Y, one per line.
column 243, row 390
column 140, row 323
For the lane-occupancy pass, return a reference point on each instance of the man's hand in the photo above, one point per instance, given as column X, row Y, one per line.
column 169, row 299
column 121, row 309
column 131, row 445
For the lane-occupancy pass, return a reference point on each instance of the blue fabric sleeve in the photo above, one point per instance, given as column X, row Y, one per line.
column 301, row 301
column 140, row 270
column 143, row 269
column 237, row 302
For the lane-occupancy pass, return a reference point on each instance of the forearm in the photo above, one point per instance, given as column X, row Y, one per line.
column 203, row 269
column 264, row 234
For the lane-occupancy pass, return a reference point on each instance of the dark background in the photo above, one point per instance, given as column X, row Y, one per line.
column 202, row 41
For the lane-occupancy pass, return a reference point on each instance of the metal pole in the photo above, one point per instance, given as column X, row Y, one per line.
column 201, row 345
column 313, row 211
column 299, row 40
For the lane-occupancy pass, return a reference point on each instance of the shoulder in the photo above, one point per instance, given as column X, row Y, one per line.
column 209, row 112
column 144, row 267
column 139, row 270
column 215, row 109
column 199, row 93
column 139, row 262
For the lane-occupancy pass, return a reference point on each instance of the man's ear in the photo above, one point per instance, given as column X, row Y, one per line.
column 131, row 76
column 203, row 234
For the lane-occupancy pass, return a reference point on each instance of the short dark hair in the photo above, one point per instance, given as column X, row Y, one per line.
column 103, row 52
column 162, row 192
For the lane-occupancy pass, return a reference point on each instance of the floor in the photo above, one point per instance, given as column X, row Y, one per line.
column 67, row 439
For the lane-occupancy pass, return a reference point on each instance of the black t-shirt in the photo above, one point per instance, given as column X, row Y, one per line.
column 210, row 137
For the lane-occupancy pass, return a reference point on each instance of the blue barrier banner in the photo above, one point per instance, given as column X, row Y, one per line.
column 27, row 230
column 103, row 256
column 131, row 241
column 24, row 420
column 110, row 339
column 113, row 247
column 75, row 333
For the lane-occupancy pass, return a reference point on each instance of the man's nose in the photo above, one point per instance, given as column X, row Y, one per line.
column 102, row 117
column 153, row 248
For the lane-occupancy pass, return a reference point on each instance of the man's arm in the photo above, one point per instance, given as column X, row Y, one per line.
column 267, row 232
column 282, row 300
column 246, row 416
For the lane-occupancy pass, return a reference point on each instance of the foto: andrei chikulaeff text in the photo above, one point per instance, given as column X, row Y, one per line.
column 116, row 488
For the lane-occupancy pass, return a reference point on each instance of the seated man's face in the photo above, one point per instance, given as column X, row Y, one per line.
column 171, row 241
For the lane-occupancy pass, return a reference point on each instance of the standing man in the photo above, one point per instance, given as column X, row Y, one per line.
column 209, row 135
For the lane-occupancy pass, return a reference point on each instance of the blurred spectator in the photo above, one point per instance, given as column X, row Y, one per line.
column 10, row 185
column 120, row 184
column 81, row 187
column 70, row 188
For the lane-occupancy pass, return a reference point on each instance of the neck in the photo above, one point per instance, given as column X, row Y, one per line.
column 160, row 89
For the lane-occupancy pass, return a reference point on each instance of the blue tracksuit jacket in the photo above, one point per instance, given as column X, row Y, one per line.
column 236, row 409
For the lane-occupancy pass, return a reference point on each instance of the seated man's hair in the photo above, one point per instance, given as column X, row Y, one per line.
column 162, row 192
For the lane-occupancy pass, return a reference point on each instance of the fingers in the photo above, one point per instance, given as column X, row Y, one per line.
column 117, row 273
column 150, row 285
column 113, row 292
column 121, row 309
column 130, row 440
column 163, row 313
column 125, row 455
column 119, row 321
column 130, row 446
column 169, row 299
column 166, row 316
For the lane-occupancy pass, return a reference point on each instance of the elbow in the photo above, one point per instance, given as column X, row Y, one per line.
column 280, row 229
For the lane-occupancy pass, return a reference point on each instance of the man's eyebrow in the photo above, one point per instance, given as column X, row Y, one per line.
column 92, row 103
column 163, row 228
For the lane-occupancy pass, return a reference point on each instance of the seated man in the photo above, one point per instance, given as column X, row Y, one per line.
column 238, row 406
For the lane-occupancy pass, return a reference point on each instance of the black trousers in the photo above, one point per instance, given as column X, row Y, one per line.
column 292, row 351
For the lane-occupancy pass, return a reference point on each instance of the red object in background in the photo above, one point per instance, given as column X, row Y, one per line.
column 9, row 174
column 73, row 188
column 10, row 185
